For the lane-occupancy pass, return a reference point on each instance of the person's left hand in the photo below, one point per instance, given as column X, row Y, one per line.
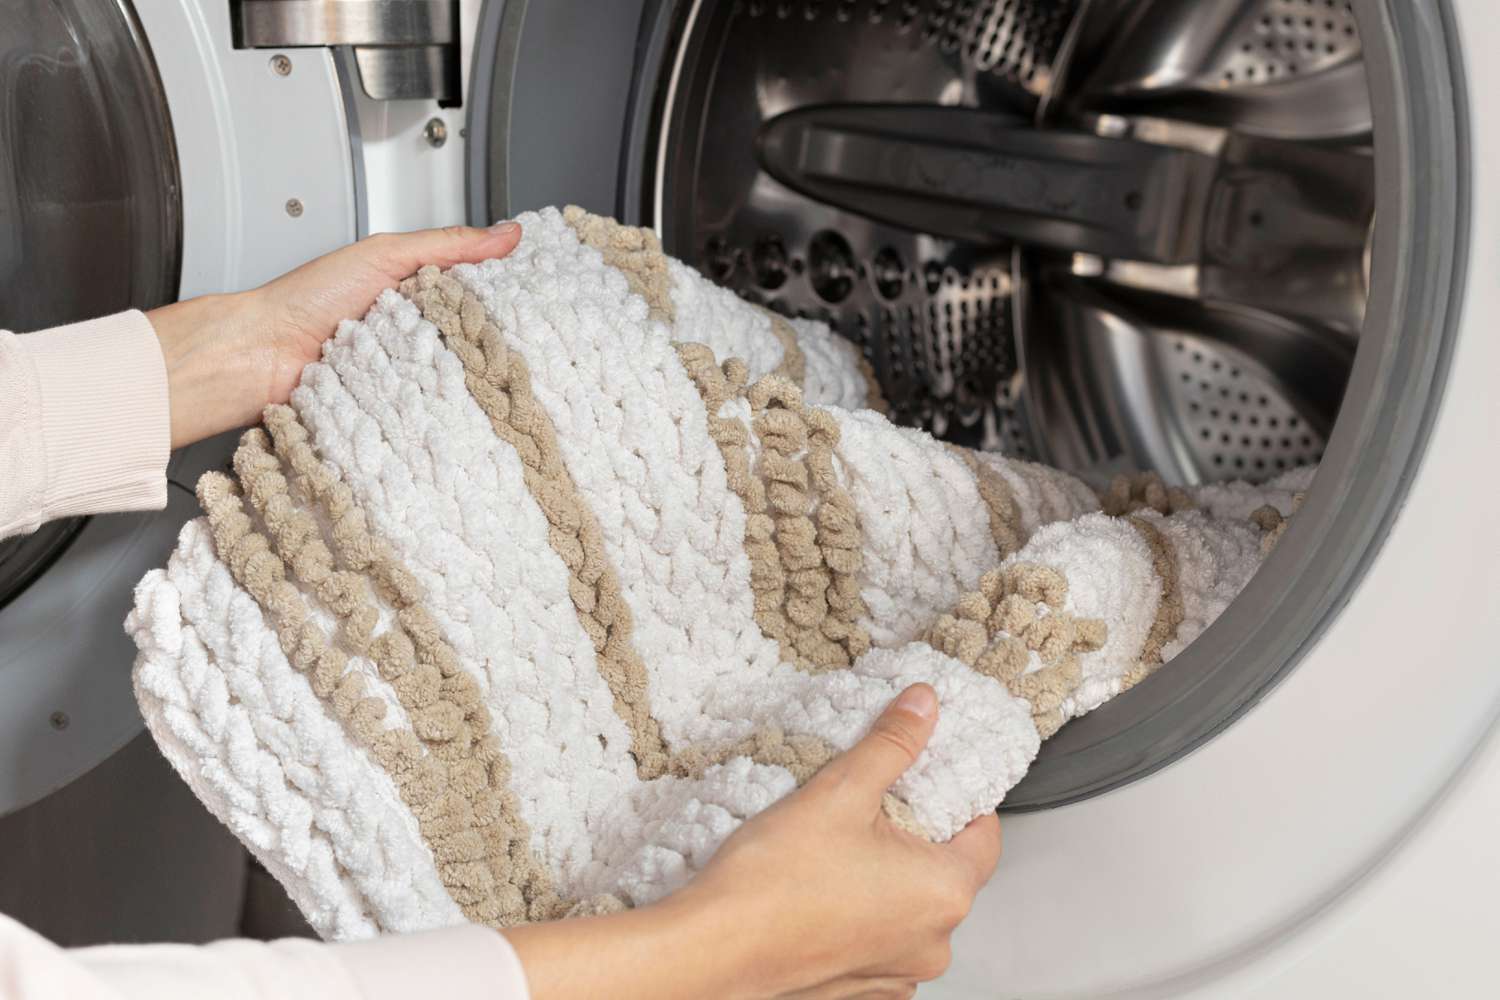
column 230, row 356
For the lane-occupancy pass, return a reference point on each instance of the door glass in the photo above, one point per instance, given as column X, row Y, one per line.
column 90, row 213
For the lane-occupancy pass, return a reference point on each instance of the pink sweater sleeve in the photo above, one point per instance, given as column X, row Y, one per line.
column 466, row 961
column 84, row 421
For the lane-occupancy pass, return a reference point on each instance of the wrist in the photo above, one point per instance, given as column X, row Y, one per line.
column 214, row 382
column 685, row 947
column 741, row 932
column 719, row 952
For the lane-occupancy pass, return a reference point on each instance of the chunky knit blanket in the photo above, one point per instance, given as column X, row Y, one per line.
column 559, row 567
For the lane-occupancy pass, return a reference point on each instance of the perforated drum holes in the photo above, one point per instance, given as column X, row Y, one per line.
column 1289, row 37
column 831, row 268
column 889, row 272
column 770, row 263
column 718, row 260
column 1237, row 424
column 1015, row 39
column 937, row 318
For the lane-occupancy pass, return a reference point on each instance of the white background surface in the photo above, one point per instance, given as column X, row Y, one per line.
column 1309, row 851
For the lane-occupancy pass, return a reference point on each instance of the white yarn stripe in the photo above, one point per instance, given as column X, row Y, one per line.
column 1043, row 494
column 714, row 316
column 1110, row 576
column 832, row 375
column 633, row 434
column 709, row 314
column 669, row 828
column 1237, row 500
column 927, row 536
column 389, row 410
column 1215, row 559
column 245, row 730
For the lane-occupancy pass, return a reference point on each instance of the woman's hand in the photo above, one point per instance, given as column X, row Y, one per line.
column 820, row 896
column 230, row 356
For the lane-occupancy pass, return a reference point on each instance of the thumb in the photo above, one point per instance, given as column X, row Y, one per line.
column 401, row 254
column 873, row 764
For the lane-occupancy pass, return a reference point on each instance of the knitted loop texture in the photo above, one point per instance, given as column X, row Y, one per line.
column 559, row 567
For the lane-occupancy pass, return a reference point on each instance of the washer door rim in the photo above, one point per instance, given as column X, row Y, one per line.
column 1417, row 270
column 1418, row 276
column 1396, row 385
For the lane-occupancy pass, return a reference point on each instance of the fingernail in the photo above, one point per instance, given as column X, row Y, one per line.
column 919, row 699
column 505, row 228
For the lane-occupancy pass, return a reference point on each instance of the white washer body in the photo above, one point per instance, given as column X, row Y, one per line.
column 1336, row 841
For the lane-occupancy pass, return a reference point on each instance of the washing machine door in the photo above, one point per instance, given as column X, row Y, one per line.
column 143, row 157
column 90, row 224
column 88, row 164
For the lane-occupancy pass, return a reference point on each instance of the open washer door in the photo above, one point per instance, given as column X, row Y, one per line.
column 1320, row 289
column 90, row 224
column 142, row 158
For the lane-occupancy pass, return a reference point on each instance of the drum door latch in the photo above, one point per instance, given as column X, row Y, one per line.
column 405, row 49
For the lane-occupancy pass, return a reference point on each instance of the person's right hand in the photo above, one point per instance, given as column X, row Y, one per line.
column 820, row 896
column 847, row 904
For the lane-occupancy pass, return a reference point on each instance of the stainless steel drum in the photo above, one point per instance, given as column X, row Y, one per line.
column 1213, row 238
column 1119, row 233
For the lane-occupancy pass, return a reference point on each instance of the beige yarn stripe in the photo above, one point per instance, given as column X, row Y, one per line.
column 994, row 629
column 442, row 700
column 793, row 364
column 1272, row 524
column 449, row 788
column 999, row 499
column 821, row 559
column 874, row 398
column 633, row 251
column 804, row 574
column 1127, row 494
column 1169, row 609
column 433, row 676
column 500, row 382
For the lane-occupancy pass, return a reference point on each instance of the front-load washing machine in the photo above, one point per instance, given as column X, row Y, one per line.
column 1213, row 238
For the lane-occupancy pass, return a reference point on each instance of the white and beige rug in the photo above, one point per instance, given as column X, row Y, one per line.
column 559, row 567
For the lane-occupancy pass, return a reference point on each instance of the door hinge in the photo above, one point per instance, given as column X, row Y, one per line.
column 405, row 49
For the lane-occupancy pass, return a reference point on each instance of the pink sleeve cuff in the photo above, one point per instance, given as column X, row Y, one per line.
column 101, row 418
column 467, row 960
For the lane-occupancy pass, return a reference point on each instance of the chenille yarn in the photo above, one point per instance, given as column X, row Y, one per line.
column 559, row 567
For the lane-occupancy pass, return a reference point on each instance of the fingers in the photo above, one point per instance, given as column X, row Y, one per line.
column 873, row 764
column 977, row 847
column 403, row 253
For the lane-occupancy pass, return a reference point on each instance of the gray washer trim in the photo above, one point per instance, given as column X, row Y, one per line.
column 497, row 40
column 348, row 74
column 1423, row 172
column 550, row 93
